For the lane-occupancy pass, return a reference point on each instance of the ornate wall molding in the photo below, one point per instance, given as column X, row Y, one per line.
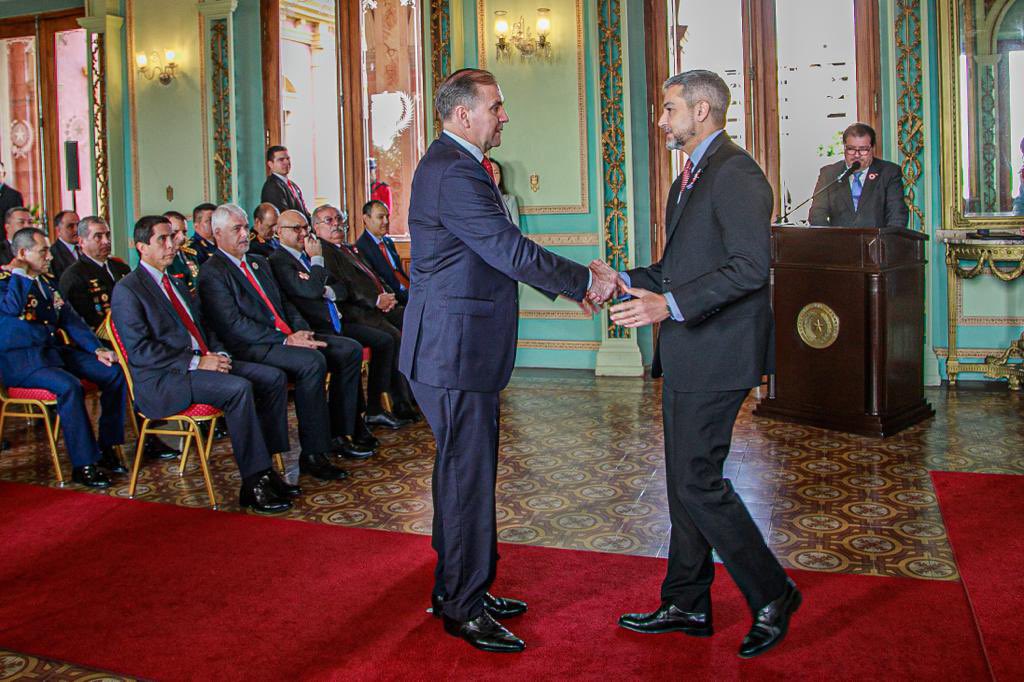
column 553, row 315
column 440, row 47
column 909, row 106
column 98, row 89
column 564, row 238
column 551, row 344
column 220, row 86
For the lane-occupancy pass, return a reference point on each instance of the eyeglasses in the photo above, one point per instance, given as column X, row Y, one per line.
column 333, row 220
column 858, row 150
column 297, row 228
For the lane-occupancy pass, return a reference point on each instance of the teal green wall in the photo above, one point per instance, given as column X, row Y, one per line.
column 249, row 139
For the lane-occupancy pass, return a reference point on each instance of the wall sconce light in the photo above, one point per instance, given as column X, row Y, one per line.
column 153, row 67
column 521, row 37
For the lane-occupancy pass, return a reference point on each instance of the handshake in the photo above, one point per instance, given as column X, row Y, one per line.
column 645, row 307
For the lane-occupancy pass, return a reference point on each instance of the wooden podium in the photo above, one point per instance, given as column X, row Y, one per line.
column 849, row 329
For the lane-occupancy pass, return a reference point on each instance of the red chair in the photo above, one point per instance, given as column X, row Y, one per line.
column 33, row 403
column 187, row 421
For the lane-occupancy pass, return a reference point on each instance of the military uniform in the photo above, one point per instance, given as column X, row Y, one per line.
column 185, row 268
column 33, row 354
column 87, row 286
column 202, row 247
column 262, row 247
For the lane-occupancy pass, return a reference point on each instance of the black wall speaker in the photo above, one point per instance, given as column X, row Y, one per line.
column 71, row 165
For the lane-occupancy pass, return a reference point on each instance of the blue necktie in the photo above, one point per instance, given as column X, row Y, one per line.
column 332, row 309
column 856, row 188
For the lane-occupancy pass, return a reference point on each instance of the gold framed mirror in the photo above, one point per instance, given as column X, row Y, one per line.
column 981, row 53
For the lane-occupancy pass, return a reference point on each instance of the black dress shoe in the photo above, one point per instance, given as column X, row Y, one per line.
column 407, row 412
column 771, row 622
column 111, row 462
column 283, row 488
column 668, row 618
column 498, row 607
column 319, row 466
column 344, row 447
column 157, row 449
column 362, row 438
column 485, row 634
column 259, row 495
column 91, row 476
column 386, row 419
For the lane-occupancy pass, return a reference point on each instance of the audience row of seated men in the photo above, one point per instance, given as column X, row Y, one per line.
column 290, row 313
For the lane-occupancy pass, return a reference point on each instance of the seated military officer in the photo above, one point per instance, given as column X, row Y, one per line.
column 33, row 355
column 88, row 282
column 263, row 239
column 185, row 266
column 202, row 241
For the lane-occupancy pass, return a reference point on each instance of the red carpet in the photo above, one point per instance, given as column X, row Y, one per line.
column 168, row 593
column 984, row 517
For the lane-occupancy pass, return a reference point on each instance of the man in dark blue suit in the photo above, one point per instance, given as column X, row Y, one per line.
column 33, row 355
column 378, row 249
column 460, row 340
column 175, row 362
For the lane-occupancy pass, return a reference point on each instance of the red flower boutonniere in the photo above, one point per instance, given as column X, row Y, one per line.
column 872, row 176
column 694, row 179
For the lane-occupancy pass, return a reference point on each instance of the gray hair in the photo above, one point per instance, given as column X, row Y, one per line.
column 222, row 215
column 703, row 86
column 85, row 224
column 25, row 238
column 461, row 89
column 343, row 215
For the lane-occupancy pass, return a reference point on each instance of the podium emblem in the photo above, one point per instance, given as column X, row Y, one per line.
column 818, row 325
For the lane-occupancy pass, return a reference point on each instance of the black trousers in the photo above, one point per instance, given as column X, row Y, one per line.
column 307, row 369
column 465, row 426
column 344, row 358
column 383, row 362
column 705, row 511
column 254, row 399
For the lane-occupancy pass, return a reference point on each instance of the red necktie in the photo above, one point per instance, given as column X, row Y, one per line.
column 295, row 193
column 687, row 172
column 369, row 273
column 402, row 279
column 280, row 324
column 183, row 315
column 489, row 168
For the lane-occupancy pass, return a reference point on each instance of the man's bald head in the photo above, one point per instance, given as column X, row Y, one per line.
column 264, row 222
column 292, row 229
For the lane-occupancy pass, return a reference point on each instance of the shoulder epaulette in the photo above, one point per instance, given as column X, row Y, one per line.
column 188, row 250
column 4, row 274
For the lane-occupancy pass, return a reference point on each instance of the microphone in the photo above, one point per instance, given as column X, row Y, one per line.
column 854, row 167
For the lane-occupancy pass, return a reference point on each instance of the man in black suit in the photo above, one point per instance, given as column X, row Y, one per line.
column 89, row 282
column 9, row 197
column 202, row 242
column 871, row 196
column 278, row 189
column 65, row 247
column 175, row 362
column 710, row 293
column 299, row 270
column 461, row 341
column 263, row 239
column 378, row 249
column 15, row 218
column 244, row 307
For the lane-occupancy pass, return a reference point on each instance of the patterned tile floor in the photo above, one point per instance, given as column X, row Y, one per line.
column 581, row 468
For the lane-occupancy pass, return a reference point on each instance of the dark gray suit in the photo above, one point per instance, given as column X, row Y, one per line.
column 715, row 264
column 881, row 201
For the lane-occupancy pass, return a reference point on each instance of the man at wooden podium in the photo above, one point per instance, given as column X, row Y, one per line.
column 869, row 196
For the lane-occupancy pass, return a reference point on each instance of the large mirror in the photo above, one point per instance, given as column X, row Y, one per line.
column 983, row 102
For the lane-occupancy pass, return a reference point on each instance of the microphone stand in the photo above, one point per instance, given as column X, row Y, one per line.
column 854, row 167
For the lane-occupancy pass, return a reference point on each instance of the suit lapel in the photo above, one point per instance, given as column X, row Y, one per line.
column 166, row 305
column 868, row 190
column 683, row 193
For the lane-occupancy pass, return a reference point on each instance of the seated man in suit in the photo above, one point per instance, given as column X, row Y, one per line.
column 377, row 249
column 33, row 355
column 88, row 283
column 278, row 189
column 244, row 307
column 15, row 218
column 65, row 248
column 872, row 196
column 184, row 267
column 263, row 240
column 299, row 270
column 175, row 362
column 202, row 241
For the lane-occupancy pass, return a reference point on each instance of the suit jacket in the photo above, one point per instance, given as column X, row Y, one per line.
column 276, row 192
column 716, row 265
column 9, row 198
column 158, row 346
column 63, row 258
column 359, row 303
column 235, row 311
column 304, row 289
column 6, row 253
column 881, row 201
column 88, row 287
column 371, row 254
column 29, row 321
column 461, row 322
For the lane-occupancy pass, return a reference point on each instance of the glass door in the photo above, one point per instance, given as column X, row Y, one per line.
column 20, row 143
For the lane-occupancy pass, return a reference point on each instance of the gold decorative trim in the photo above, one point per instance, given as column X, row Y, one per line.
column 545, row 344
column 204, row 104
column 942, row 352
column 553, row 315
column 818, row 325
column 130, row 75
column 564, row 238
column 98, row 89
column 581, row 101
